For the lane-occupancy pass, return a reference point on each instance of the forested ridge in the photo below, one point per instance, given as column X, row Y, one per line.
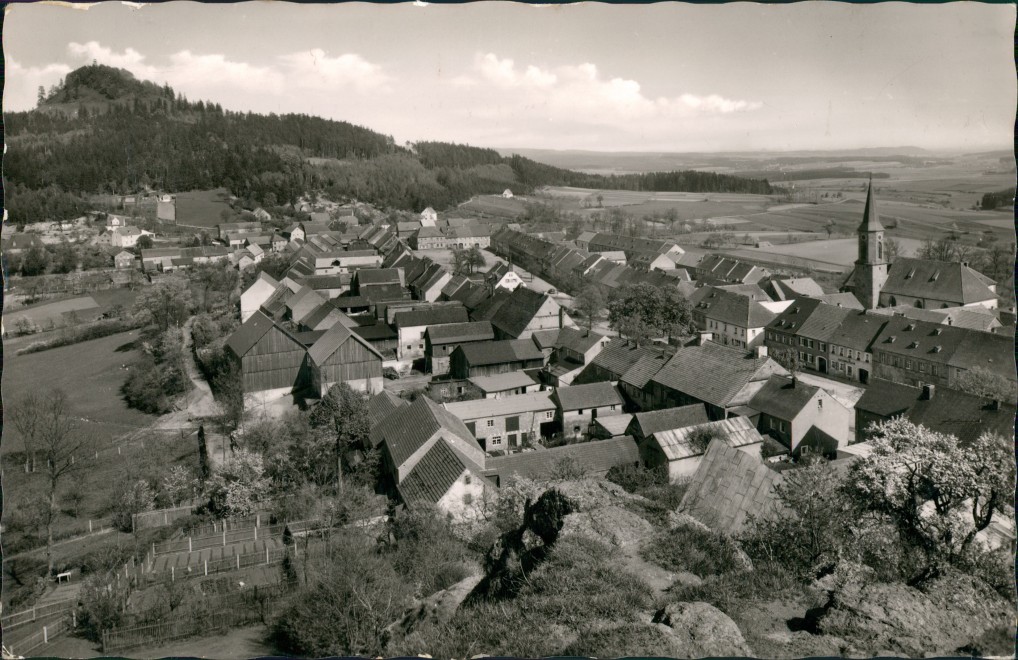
column 103, row 131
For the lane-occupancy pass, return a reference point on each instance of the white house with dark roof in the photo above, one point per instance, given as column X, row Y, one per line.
column 429, row 217
column 500, row 386
column 255, row 295
column 579, row 405
column 799, row 415
column 412, row 324
column 507, row 423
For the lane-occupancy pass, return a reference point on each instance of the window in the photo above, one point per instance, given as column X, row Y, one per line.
column 866, row 357
column 549, row 414
column 802, row 356
column 580, row 411
column 466, row 478
column 858, row 355
column 782, row 426
column 802, row 342
column 490, row 423
column 849, row 371
column 935, row 370
column 495, row 440
column 612, row 408
column 809, row 359
column 908, row 364
column 809, row 343
column 823, row 347
column 922, row 367
column 772, row 424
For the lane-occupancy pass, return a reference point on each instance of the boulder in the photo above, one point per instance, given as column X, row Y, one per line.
column 438, row 607
column 701, row 630
column 609, row 524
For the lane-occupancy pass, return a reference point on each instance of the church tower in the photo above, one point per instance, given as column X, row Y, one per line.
column 871, row 266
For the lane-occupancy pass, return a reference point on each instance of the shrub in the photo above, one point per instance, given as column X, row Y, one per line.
column 694, row 550
column 131, row 498
column 729, row 591
column 637, row 478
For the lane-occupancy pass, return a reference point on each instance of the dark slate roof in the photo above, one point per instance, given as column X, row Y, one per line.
column 409, row 427
column 484, row 353
column 937, row 279
column 431, row 316
column 619, row 355
column 730, row 307
column 249, row 333
column 321, row 313
column 857, row 331
column 577, row 340
column 349, row 302
column 327, row 281
column 333, row 338
column 975, row 317
column 645, row 368
column 486, row 309
column 594, row 457
column 518, row 311
column 846, row 300
column 714, row 373
column 783, row 398
column 368, row 276
column 810, row 318
column 384, row 292
column 962, row 415
column 729, row 487
column 591, row 395
column 375, row 332
column 956, row 347
column 670, row 418
column 870, row 218
column 452, row 333
column 434, row 475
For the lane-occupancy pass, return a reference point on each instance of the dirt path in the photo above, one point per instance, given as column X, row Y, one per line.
column 200, row 402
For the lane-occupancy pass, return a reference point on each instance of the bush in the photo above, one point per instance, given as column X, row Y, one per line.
column 82, row 333
column 637, row 478
column 694, row 550
column 729, row 591
column 129, row 499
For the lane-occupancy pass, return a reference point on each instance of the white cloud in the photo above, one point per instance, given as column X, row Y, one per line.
column 314, row 69
column 21, row 83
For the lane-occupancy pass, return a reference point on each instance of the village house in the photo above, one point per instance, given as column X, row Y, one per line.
column 252, row 298
column 645, row 424
column 918, row 352
column 790, row 288
column 633, row 383
column 441, row 340
column 383, row 404
column 719, row 269
column 324, row 317
column 508, row 423
column 592, row 459
column 328, row 286
column 127, row 237
column 940, row 409
column 429, row 217
column 365, row 278
column 342, row 356
column 682, row 450
column 505, row 385
column 502, row 276
column 123, row 259
column 850, row 345
column 579, row 405
column 616, row 358
column 507, row 194
column 411, row 326
column 733, row 319
column 804, row 331
column 525, row 311
column 494, row 357
column 975, row 317
column 723, row 378
column 801, row 417
column 649, row 262
column 428, row 285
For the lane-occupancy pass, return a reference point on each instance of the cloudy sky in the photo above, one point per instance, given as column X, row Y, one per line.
column 663, row 77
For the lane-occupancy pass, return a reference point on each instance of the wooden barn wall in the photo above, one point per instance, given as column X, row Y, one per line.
column 351, row 361
column 274, row 362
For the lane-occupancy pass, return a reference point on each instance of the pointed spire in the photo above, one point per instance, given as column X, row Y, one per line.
column 870, row 220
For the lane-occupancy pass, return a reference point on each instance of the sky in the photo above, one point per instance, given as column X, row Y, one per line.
column 589, row 76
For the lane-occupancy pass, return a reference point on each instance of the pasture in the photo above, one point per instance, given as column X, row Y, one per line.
column 494, row 205
column 842, row 251
column 201, row 208
column 91, row 375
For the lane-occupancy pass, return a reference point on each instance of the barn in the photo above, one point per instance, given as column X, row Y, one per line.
column 341, row 356
column 271, row 359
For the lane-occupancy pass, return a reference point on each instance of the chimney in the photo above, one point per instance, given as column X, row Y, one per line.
column 929, row 391
column 561, row 318
column 760, row 351
column 704, row 338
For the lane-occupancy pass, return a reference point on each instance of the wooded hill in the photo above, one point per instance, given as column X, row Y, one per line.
column 103, row 131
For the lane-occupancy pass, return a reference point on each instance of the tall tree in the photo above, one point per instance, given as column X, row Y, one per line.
column 590, row 304
column 164, row 305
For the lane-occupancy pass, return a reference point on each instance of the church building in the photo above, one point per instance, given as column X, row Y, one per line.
column 920, row 283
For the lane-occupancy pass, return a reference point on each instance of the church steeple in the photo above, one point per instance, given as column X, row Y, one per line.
column 870, row 218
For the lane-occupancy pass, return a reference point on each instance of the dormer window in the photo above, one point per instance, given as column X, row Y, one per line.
column 914, row 344
column 911, row 274
column 910, row 327
column 936, row 331
column 936, row 274
column 937, row 349
column 890, row 340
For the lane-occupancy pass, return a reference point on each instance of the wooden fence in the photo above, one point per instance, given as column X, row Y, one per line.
column 217, row 526
column 17, row 644
column 160, row 517
column 204, row 568
column 219, row 539
column 215, row 614
column 15, row 619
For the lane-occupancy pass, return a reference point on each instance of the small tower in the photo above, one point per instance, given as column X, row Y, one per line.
column 870, row 267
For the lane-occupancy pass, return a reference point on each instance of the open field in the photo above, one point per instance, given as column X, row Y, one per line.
column 201, row 208
column 494, row 205
column 91, row 375
column 837, row 251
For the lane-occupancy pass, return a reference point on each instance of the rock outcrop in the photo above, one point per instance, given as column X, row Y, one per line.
column 700, row 630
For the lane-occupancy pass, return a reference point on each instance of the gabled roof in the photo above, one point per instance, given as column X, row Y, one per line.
column 330, row 342
column 857, row 331
column 735, row 432
column 810, row 318
column 483, row 353
column 591, row 395
column 713, row 373
column 729, row 307
column 518, row 312
column 488, row 307
column 377, row 293
column 643, row 370
column 789, row 288
column 940, row 280
column 431, row 316
column 409, row 427
column 577, row 340
column 976, row 317
column 846, row 300
column 615, row 425
column 594, row 457
column 510, row 405
column 503, row 382
column 375, row 332
column 250, row 332
column 546, row 338
column 782, row 397
column 957, row 347
column 435, row 474
column 619, row 355
column 729, row 487
column 381, row 405
column 326, row 312
column 668, row 419
column 369, row 276
column 453, row 333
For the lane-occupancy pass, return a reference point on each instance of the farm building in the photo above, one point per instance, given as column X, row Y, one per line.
column 646, row 424
column 505, row 385
column 631, row 245
column 412, row 325
column 342, row 356
column 525, row 311
column 801, row 416
column 256, row 295
column 612, row 426
column 447, row 480
column 271, row 358
column 324, row 317
column 579, row 405
column 508, row 423
column 380, row 335
column 441, row 340
column 381, row 405
column 489, row 358
column 615, row 359
column 593, row 458
column 719, row 269
column 123, row 259
column 633, row 383
column 502, row 276
column 681, row 450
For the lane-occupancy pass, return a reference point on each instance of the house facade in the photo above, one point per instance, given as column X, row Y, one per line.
column 579, row 405
column 508, row 423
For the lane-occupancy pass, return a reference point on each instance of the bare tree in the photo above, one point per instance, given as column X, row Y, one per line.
column 63, row 444
column 25, row 416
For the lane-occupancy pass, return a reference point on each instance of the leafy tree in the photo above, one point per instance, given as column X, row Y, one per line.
column 179, row 485
column 34, row 262
column 641, row 311
column 145, row 242
column 103, row 599
column 163, row 305
column 789, row 359
column 937, row 494
column 65, row 259
column 344, row 411
column 591, row 306
column 129, row 499
column 987, row 384
column 237, row 485
column 214, row 277
column 475, row 259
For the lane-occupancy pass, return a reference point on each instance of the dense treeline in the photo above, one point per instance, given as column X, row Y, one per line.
column 532, row 173
column 103, row 131
column 994, row 200
column 821, row 173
